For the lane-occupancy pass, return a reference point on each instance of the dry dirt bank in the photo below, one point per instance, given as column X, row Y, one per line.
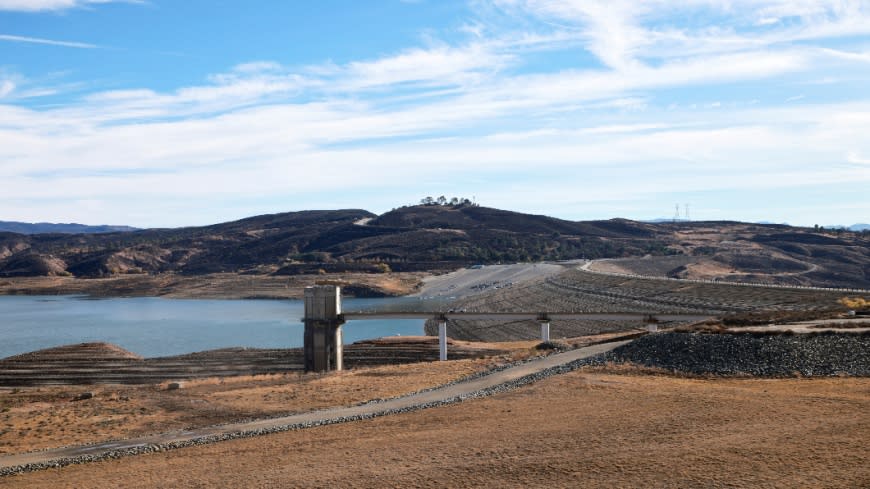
column 591, row 428
column 212, row 286
column 102, row 363
column 44, row 417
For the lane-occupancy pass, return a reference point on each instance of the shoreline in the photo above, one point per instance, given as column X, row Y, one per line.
column 228, row 286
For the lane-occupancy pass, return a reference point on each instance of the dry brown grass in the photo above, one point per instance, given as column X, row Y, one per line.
column 44, row 417
column 585, row 429
column 855, row 302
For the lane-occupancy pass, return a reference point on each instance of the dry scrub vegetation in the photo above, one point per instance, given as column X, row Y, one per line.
column 855, row 302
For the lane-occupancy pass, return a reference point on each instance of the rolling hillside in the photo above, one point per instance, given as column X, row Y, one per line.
column 439, row 237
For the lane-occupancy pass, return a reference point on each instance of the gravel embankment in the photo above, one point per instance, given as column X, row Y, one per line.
column 747, row 354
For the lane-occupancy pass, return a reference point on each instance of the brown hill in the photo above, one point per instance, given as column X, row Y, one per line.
column 441, row 237
column 475, row 217
column 91, row 352
column 27, row 264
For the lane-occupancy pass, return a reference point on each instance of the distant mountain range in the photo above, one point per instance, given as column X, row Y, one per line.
column 857, row 228
column 74, row 228
column 48, row 227
column 854, row 227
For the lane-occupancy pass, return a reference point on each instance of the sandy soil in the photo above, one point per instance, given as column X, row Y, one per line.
column 593, row 428
column 213, row 286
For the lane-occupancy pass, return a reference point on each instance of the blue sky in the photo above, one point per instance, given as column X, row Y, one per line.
column 156, row 114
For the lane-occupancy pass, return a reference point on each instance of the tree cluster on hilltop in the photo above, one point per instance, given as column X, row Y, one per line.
column 442, row 200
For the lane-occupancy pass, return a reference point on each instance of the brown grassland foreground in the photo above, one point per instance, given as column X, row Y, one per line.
column 36, row 418
column 597, row 427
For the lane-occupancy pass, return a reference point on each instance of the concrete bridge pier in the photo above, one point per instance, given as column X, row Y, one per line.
column 652, row 325
column 544, row 319
column 323, row 336
column 442, row 340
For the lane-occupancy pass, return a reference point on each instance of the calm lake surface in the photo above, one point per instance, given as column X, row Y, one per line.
column 154, row 327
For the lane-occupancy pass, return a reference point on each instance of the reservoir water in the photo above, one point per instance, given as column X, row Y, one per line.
column 154, row 327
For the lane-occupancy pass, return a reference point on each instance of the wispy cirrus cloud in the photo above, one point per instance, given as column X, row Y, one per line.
column 855, row 158
column 53, row 5
column 479, row 71
column 478, row 108
column 436, row 66
column 407, row 75
column 50, row 42
column 623, row 33
column 6, row 88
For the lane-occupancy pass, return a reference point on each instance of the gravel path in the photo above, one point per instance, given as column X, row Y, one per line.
column 764, row 355
column 499, row 381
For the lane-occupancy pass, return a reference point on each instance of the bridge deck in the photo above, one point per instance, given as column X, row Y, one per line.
column 516, row 316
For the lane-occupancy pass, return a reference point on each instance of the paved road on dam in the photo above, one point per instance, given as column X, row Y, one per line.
column 436, row 397
column 471, row 281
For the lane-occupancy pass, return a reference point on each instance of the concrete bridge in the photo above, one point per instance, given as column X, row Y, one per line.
column 323, row 320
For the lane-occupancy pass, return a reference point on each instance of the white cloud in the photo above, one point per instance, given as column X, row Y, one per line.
column 846, row 55
column 463, row 84
column 52, row 5
column 611, row 27
column 258, row 67
column 50, row 42
column 466, row 111
column 428, row 71
column 284, row 149
column 434, row 66
column 623, row 33
column 853, row 157
column 6, row 88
